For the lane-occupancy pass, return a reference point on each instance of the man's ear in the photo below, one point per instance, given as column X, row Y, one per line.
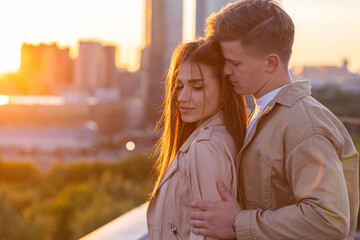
column 272, row 62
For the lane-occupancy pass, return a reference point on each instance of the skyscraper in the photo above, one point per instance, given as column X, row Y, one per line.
column 163, row 33
column 108, row 69
column 203, row 9
column 95, row 66
column 44, row 68
column 87, row 65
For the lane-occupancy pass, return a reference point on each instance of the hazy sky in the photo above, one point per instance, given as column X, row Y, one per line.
column 326, row 30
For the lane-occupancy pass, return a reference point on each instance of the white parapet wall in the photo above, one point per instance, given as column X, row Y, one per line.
column 130, row 226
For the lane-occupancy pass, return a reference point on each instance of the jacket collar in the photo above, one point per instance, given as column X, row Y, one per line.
column 217, row 119
column 287, row 96
column 203, row 129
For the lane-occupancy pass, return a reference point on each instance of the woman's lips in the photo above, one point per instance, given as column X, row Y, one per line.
column 185, row 109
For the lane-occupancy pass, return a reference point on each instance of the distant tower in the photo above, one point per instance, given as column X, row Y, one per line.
column 87, row 65
column 95, row 66
column 163, row 32
column 163, row 29
column 203, row 9
column 108, row 69
column 45, row 68
column 31, row 60
column 345, row 64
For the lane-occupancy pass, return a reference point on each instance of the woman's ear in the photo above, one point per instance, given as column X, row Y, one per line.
column 272, row 62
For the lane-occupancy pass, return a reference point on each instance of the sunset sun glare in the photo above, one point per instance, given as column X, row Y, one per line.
column 4, row 99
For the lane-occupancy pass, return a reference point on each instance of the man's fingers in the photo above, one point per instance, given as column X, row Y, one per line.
column 200, row 231
column 224, row 192
column 198, row 224
column 201, row 204
column 197, row 215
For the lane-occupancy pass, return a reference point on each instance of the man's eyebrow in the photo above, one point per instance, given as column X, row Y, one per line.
column 231, row 60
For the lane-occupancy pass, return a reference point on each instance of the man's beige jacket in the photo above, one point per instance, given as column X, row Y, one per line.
column 298, row 172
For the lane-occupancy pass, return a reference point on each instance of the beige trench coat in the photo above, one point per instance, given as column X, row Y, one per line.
column 299, row 174
column 206, row 157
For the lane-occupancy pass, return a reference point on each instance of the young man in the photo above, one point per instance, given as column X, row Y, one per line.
column 298, row 169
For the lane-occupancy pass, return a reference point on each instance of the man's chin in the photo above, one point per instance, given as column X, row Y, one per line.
column 239, row 91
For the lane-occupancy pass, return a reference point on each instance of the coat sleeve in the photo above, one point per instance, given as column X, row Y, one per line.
column 314, row 172
column 209, row 162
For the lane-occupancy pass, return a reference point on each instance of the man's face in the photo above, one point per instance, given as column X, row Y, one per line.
column 246, row 72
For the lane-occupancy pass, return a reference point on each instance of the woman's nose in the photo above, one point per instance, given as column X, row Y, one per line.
column 184, row 94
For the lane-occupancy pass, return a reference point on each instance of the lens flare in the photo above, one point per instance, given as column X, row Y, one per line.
column 4, row 99
column 130, row 146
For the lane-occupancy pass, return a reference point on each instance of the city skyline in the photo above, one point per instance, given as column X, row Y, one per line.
column 325, row 29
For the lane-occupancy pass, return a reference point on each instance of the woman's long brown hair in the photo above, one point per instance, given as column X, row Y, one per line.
column 174, row 130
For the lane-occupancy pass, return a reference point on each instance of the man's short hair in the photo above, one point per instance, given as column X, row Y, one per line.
column 262, row 26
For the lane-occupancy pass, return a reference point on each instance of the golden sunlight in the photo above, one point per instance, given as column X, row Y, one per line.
column 10, row 57
column 298, row 69
column 4, row 99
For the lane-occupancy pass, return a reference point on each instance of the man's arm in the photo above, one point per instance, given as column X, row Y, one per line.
column 215, row 218
column 315, row 176
column 208, row 163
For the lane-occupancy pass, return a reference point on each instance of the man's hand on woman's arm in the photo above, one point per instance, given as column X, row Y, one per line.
column 215, row 218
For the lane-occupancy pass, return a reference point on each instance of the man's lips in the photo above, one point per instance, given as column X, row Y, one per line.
column 232, row 82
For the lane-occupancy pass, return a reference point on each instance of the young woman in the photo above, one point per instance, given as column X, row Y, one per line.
column 204, row 124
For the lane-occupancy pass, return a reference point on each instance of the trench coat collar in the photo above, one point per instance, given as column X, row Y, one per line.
column 287, row 96
column 203, row 131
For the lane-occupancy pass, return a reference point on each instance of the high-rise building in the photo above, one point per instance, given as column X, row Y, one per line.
column 108, row 69
column 203, row 9
column 163, row 29
column 95, row 66
column 163, row 33
column 45, row 67
column 87, row 65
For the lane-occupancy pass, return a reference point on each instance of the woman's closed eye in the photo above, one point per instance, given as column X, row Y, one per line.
column 197, row 84
column 198, row 87
column 235, row 63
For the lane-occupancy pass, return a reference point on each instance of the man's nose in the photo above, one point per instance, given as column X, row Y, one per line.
column 228, row 69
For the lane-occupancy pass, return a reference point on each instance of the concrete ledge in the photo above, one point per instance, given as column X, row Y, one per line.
column 129, row 226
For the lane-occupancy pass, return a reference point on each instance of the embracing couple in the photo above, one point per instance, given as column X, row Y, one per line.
column 290, row 171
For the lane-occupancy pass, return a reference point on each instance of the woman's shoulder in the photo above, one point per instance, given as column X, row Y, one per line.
column 214, row 129
column 214, row 134
column 211, row 152
column 213, row 139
